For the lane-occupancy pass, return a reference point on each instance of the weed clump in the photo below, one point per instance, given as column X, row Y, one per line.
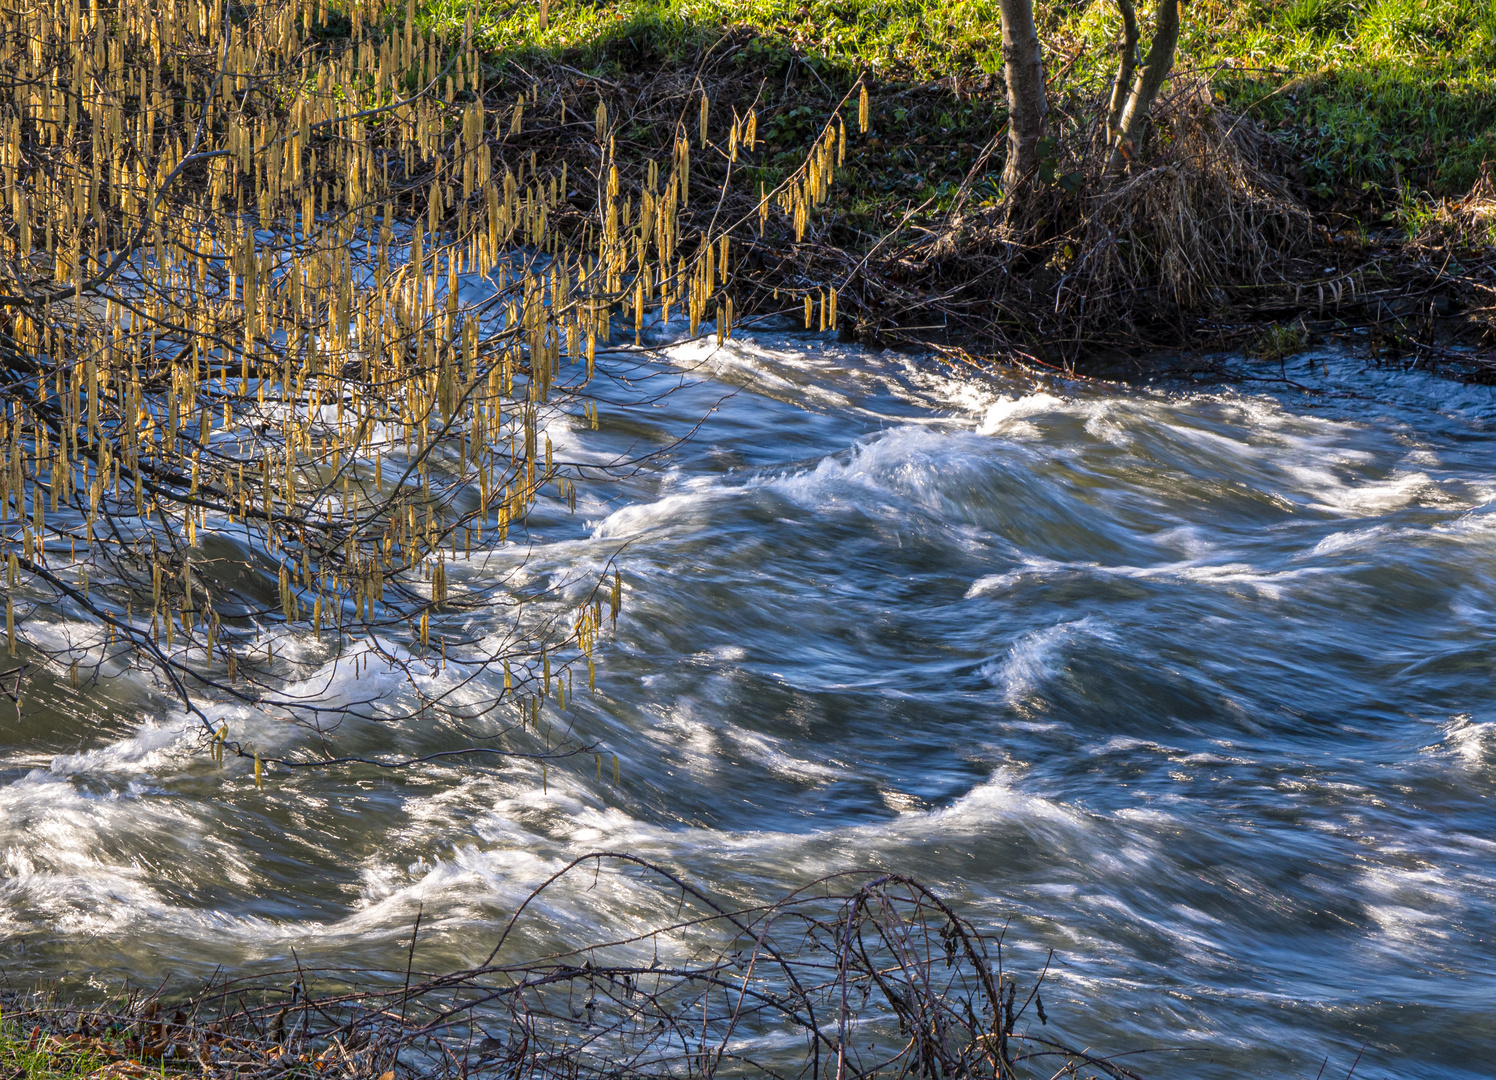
column 1280, row 341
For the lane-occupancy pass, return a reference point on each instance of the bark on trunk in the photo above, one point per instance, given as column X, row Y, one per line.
column 1127, row 62
column 1149, row 81
column 1023, row 66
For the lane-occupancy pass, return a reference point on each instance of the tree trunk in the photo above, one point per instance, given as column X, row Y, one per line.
column 1149, row 81
column 1023, row 67
column 1127, row 62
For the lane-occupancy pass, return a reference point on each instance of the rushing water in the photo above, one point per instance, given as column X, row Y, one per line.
column 1193, row 685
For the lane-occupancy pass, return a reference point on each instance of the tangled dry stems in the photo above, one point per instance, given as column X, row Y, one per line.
column 1205, row 215
column 853, row 976
column 1468, row 223
column 1099, row 259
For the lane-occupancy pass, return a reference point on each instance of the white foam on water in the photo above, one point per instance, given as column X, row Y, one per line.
column 724, row 653
column 908, row 464
column 1126, row 744
column 154, row 748
column 83, row 899
column 1038, row 656
column 763, row 367
column 1350, row 540
column 1270, row 584
column 1305, row 458
column 990, row 583
column 1413, row 907
column 1032, row 567
column 777, row 758
column 695, row 741
column 1007, row 415
column 903, row 467
column 522, row 825
column 1473, row 742
column 1148, row 815
column 1363, row 498
column 1190, row 540
column 1190, row 939
column 1037, row 726
column 685, row 510
column 521, row 835
column 61, row 830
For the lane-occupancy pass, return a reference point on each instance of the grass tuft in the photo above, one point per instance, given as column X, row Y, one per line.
column 33, row 1053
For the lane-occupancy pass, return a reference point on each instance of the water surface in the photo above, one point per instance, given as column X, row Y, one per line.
column 1193, row 685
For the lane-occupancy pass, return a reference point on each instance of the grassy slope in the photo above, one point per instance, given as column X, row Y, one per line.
column 1380, row 97
column 1387, row 102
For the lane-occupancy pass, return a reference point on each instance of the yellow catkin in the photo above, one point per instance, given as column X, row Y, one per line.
column 304, row 312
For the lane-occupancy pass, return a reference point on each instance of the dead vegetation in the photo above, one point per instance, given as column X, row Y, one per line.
column 1105, row 261
column 854, row 976
column 1203, row 242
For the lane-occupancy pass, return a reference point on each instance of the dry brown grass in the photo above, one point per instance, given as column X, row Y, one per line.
column 1205, row 214
column 1201, row 221
column 1468, row 222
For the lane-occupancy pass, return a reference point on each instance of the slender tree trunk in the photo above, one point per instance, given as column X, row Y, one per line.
column 1023, row 66
column 1149, row 81
column 1127, row 62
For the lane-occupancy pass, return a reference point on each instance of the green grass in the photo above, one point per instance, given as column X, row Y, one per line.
column 1380, row 97
column 792, row 63
column 1385, row 101
column 31, row 1054
column 899, row 39
column 1382, row 100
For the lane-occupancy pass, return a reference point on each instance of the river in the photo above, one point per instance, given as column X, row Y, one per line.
column 1192, row 683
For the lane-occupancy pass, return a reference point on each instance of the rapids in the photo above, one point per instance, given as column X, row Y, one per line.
column 1192, row 684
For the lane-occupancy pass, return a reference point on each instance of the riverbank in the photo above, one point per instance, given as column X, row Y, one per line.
column 1327, row 156
column 870, row 973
